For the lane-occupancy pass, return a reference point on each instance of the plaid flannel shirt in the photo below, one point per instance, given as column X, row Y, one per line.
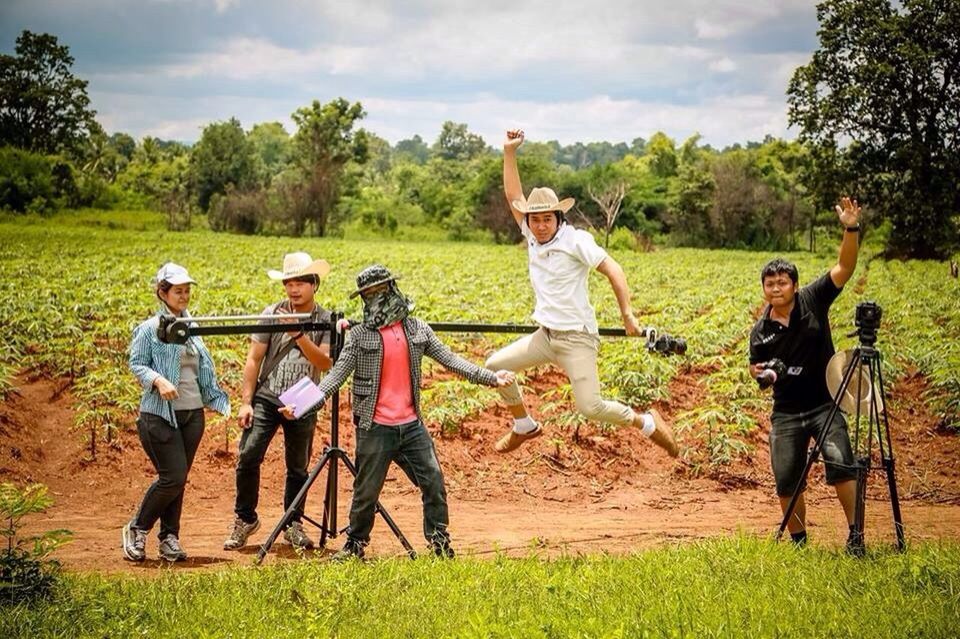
column 363, row 356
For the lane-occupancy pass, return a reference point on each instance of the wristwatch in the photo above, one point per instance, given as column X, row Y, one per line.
column 853, row 229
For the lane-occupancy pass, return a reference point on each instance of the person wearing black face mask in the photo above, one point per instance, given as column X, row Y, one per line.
column 384, row 355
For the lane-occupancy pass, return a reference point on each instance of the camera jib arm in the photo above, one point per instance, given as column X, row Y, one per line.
column 176, row 330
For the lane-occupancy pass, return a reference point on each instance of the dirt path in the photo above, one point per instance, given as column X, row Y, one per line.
column 604, row 492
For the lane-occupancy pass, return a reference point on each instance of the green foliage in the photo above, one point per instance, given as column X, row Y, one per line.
column 272, row 146
column 455, row 142
column 447, row 404
column 413, row 150
column 736, row 587
column 25, row 572
column 885, row 83
column 222, row 158
column 34, row 183
column 325, row 141
column 43, row 106
column 66, row 327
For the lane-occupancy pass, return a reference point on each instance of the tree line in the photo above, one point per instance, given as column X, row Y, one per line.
column 877, row 108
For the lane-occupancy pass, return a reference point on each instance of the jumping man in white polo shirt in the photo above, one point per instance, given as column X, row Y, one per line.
column 561, row 258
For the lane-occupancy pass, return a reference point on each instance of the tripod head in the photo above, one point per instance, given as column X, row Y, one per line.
column 867, row 321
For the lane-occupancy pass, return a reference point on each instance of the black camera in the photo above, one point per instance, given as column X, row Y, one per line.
column 770, row 372
column 668, row 345
column 867, row 321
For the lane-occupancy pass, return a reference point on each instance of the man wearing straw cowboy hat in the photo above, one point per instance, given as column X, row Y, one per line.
column 560, row 260
column 275, row 361
column 795, row 329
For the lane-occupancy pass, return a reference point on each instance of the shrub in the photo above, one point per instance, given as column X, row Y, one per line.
column 25, row 572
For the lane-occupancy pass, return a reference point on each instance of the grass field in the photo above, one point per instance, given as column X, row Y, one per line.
column 737, row 587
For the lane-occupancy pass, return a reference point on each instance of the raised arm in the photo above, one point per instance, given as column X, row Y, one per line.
column 612, row 270
column 512, row 186
column 849, row 213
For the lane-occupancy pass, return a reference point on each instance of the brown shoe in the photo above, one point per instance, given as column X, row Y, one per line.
column 513, row 440
column 663, row 436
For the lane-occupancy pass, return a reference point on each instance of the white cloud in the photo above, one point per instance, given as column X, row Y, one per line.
column 721, row 121
column 723, row 65
column 577, row 71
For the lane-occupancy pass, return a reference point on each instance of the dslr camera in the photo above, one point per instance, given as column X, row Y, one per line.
column 668, row 345
column 771, row 372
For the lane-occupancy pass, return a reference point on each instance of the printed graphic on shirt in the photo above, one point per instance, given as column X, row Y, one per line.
column 289, row 371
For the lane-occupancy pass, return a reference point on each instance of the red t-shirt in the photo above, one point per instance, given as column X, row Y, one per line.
column 395, row 401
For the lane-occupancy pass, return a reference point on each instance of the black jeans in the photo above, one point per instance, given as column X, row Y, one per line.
column 297, row 448
column 410, row 446
column 171, row 450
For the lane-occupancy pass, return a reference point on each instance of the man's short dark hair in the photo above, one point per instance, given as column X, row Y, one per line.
column 777, row 266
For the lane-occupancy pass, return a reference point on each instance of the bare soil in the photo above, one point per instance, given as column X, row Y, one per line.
column 594, row 490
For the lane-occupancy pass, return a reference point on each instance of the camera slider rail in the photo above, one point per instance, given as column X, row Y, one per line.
column 176, row 330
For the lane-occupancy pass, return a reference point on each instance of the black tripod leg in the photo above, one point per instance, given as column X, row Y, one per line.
column 329, row 527
column 299, row 499
column 860, row 505
column 889, row 464
column 895, row 504
column 386, row 516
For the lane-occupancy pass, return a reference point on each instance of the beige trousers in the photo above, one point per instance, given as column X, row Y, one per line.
column 573, row 351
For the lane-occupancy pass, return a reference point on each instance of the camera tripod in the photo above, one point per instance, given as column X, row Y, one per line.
column 331, row 457
column 865, row 357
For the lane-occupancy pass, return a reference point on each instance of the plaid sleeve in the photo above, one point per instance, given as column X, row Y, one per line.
column 341, row 370
column 451, row 361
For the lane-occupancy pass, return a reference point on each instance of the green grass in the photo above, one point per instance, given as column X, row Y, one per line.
column 735, row 587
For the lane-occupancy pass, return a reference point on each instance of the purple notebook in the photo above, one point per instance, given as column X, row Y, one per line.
column 303, row 396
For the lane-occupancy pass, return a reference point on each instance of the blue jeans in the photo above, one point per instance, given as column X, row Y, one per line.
column 410, row 446
column 297, row 447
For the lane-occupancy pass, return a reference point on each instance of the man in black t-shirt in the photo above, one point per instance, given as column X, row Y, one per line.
column 795, row 329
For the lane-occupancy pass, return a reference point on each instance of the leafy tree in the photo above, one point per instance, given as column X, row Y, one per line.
column 663, row 155
column 688, row 213
column 43, row 107
column 272, row 146
column 883, row 92
column 413, row 150
column 455, row 142
column 223, row 156
column 325, row 141
column 124, row 144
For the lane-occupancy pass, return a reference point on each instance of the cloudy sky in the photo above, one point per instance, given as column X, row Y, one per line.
column 566, row 70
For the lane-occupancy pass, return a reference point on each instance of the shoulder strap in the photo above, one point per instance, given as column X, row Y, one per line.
column 273, row 362
column 268, row 365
